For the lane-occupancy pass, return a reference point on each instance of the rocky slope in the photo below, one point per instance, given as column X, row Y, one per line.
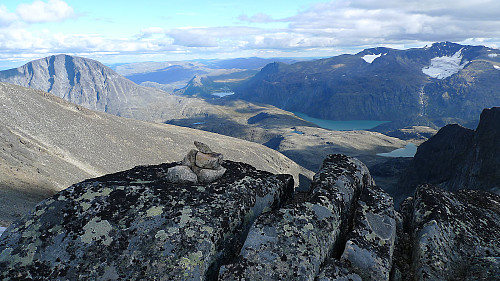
column 250, row 225
column 47, row 144
column 425, row 86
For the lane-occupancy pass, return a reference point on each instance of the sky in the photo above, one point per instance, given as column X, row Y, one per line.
column 149, row 30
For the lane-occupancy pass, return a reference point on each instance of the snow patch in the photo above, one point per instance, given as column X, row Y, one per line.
column 223, row 94
column 496, row 67
column 371, row 58
column 444, row 67
column 492, row 55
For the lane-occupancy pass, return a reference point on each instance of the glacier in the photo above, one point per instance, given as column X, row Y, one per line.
column 446, row 66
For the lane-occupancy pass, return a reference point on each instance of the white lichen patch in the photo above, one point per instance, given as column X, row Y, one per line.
column 154, row 211
column 97, row 230
column 161, row 235
column 85, row 206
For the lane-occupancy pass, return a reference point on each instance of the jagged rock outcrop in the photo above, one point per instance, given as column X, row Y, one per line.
column 457, row 157
column 134, row 225
column 293, row 242
column 452, row 236
column 370, row 246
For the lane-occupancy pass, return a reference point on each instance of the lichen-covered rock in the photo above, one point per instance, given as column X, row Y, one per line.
column 203, row 147
column 134, row 225
column 292, row 243
column 181, row 174
column 370, row 246
column 335, row 271
column 455, row 234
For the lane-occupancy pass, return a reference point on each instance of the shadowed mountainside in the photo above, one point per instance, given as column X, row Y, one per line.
column 424, row 86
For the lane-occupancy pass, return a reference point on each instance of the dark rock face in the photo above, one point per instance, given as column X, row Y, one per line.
column 455, row 236
column 134, row 225
column 457, row 157
column 293, row 242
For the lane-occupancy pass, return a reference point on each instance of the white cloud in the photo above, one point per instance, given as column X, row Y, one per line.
column 6, row 17
column 327, row 28
column 39, row 11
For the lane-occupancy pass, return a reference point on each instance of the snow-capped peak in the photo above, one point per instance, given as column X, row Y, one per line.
column 446, row 66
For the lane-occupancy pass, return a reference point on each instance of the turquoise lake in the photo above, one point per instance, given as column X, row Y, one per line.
column 408, row 151
column 341, row 125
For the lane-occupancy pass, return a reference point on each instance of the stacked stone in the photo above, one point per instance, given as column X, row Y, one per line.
column 202, row 165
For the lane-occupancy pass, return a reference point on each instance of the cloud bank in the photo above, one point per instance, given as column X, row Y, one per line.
column 324, row 28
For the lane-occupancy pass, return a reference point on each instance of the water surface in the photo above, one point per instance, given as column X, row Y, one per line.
column 341, row 125
column 408, row 151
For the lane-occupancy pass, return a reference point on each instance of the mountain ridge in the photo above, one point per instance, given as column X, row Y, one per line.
column 419, row 86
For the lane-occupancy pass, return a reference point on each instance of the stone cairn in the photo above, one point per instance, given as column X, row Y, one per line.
column 202, row 165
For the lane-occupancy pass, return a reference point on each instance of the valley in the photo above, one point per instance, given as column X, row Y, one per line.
column 257, row 94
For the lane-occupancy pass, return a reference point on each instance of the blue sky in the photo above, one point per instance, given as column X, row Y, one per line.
column 149, row 30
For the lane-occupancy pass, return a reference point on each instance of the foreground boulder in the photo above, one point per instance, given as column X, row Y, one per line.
column 135, row 225
column 370, row 246
column 293, row 242
column 453, row 236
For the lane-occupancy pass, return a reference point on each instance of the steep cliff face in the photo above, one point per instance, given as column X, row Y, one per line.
column 457, row 157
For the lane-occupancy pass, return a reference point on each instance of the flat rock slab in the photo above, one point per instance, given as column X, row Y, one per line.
column 134, row 225
column 456, row 236
column 292, row 243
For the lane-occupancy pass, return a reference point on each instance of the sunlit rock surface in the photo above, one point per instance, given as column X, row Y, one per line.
column 293, row 242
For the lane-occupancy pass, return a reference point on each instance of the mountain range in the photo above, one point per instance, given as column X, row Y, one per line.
column 172, row 75
column 433, row 86
column 92, row 85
